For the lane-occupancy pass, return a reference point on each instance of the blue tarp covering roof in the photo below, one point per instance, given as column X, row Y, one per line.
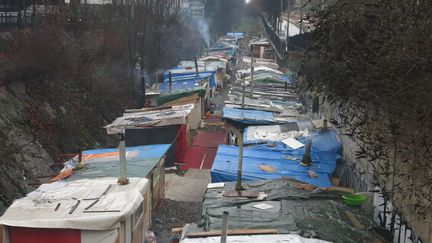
column 284, row 160
column 190, row 76
column 185, row 85
column 235, row 34
column 250, row 117
column 140, row 160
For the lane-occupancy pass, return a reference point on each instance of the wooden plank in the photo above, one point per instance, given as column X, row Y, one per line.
column 177, row 230
column 354, row 220
column 233, row 232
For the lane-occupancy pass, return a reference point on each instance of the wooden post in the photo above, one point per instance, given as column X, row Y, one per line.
column 307, row 161
column 239, row 135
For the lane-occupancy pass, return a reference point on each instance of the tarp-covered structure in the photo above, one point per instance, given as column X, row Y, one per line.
column 278, row 238
column 291, row 208
column 87, row 210
column 140, row 161
column 252, row 117
column 163, row 125
column 274, row 160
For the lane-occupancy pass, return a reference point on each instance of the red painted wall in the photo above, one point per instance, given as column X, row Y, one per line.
column 37, row 235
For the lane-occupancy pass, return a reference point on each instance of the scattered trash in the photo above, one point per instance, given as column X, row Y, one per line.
column 262, row 206
column 266, row 168
column 292, row 143
column 216, row 185
column 354, row 200
column 312, row 174
column 289, row 157
column 150, row 237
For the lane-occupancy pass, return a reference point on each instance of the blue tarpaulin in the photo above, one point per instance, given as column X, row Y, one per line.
column 284, row 160
column 236, row 34
column 186, row 85
column 190, row 76
column 140, row 160
column 250, row 117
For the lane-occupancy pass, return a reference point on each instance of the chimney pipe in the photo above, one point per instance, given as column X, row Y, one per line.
column 170, row 81
column 196, row 67
column 79, row 157
column 122, row 154
column 80, row 163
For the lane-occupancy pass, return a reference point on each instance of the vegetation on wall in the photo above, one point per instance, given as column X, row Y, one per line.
column 373, row 60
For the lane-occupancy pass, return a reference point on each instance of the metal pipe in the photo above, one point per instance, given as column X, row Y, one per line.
column 143, row 90
column 238, row 186
column 288, row 24
column 122, row 154
column 224, row 227
column 170, row 81
column 243, row 91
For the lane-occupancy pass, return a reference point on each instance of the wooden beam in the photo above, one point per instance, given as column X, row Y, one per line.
column 233, row 232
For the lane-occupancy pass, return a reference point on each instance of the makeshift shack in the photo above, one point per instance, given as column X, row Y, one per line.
column 80, row 211
column 141, row 162
column 261, row 48
column 162, row 125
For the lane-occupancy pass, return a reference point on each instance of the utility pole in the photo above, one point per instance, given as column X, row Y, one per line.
column 281, row 16
column 288, row 24
column 301, row 16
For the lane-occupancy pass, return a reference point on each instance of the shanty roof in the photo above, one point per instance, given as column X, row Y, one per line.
column 191, row 84
column 251, row 117
column 140, row 161
column 269, row 77
column 235, row 34
column 204, row 65
column 52, row 205
column 214, row 57
column 262, row 62
column 136, row 119
column 273, row 133
column 263, row 162
column 260, row 41
column 289, row 207
column 235, row 100
column 190, row 76
column 259, row 69
column 285, row 238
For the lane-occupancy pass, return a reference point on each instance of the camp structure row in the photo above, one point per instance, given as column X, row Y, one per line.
column 274, row 181
column 110, row 194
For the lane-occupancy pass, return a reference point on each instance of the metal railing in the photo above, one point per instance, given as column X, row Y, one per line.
column 278, row 43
